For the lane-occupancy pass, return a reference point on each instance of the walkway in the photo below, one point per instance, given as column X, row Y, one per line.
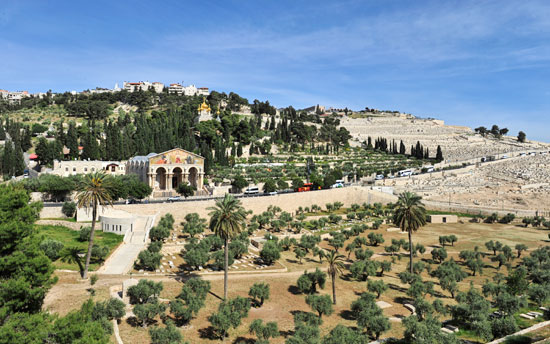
column 122, row 260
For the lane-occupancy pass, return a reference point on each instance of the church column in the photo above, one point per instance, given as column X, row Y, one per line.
column 169, row 181
column 152, row 178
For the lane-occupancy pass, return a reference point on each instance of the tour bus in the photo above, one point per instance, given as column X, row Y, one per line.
column 429, row 169
column 339, row 181
column 253, row 190
column 404, row 173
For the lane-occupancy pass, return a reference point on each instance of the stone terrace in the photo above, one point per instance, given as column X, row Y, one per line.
column 458, row 143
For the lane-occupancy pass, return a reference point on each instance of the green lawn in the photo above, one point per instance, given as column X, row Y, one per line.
column 69, row 238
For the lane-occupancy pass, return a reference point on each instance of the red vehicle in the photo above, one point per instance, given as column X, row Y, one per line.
column 306, row 187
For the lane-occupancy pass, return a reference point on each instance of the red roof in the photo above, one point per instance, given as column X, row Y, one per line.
column 33, row 156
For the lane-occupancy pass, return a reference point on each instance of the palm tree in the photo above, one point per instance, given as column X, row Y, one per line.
column 227, row 220
column 409, row 215
column 93, row 190
column 335, row 267
column 73, row 255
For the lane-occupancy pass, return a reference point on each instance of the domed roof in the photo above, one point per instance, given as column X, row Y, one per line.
column 204, row 106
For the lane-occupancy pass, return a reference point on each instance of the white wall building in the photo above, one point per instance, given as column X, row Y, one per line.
column 73, row 167
column 190, row 90
column 13, row 97
column 143, row 86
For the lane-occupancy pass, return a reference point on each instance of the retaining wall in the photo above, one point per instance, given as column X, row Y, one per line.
column 287, row 202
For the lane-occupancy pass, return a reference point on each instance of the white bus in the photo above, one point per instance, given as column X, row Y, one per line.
column 252, row 190
column 404, row 173
column 339, row 181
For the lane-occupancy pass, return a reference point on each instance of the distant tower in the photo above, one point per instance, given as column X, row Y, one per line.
column 116, row 86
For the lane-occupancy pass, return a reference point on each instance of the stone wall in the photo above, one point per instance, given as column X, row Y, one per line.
column 287, row 202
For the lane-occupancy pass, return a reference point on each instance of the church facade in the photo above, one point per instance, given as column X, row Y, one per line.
column 164, row 172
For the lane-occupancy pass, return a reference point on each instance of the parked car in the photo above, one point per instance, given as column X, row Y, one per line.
column 174, row 199
column 272, row 193
column 337, row 185
column 133, row 201
column 379, row 177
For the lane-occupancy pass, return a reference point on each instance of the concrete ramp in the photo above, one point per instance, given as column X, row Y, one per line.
column 123, row 258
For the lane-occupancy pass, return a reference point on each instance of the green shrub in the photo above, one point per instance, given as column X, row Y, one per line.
column 84, row 234
column 51, row 248
column 69, row 209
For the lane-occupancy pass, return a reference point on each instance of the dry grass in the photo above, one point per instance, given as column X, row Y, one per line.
column 69, row 293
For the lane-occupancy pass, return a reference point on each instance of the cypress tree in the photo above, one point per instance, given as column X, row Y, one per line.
column 239, row 150
column 72, row 140
column 2, row 131
column 19, row 162
column 8, row 159
column 439, row 154
column 402, row 149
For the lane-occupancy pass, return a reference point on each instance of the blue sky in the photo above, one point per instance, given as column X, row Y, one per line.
column 467, row 62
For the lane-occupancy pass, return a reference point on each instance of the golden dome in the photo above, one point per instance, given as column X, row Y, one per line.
column 204, row 106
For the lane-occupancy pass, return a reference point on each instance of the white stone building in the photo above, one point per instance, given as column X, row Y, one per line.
column 143, row 86
column 190, row 90
column 73, row 167
column 13, row 97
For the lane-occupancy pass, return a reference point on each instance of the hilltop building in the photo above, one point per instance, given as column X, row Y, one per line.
column 13, row 97
column 143, row 86
column 190, row 90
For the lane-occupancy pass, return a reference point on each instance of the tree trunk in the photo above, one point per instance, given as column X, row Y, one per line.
column 226, row 253
column 411, row 250
column 333, row 289
column 91, row 241
column 80, row 267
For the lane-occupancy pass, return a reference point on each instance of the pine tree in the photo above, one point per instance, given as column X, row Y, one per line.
column 402, row 149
